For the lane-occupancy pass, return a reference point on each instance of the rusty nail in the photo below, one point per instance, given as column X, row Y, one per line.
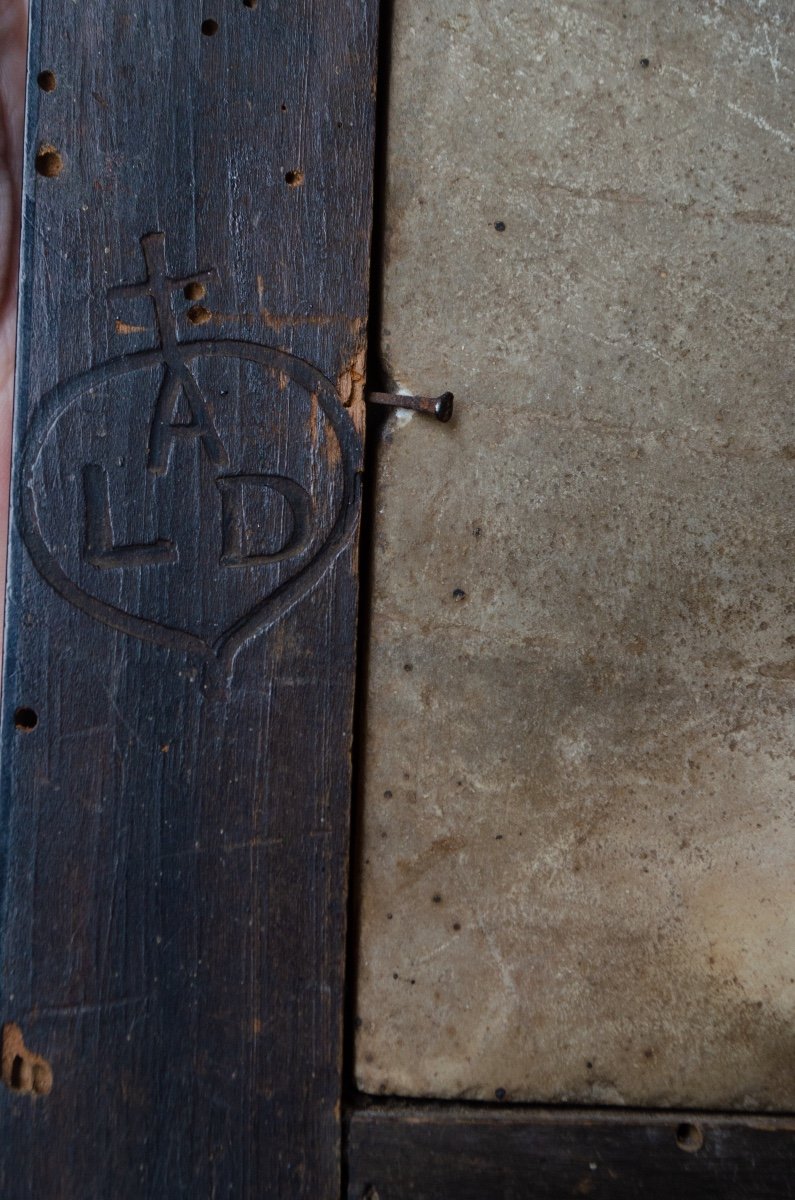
column 440, row 407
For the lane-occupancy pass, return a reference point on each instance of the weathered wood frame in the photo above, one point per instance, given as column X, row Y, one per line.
column 448, row 1151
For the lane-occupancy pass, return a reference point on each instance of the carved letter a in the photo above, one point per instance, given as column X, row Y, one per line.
column 163, row 431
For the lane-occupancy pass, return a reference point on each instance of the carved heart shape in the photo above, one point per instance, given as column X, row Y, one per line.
column 219, row 652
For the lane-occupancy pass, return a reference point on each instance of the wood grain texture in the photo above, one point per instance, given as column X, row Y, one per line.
column 450, row 1152
column 182, row 596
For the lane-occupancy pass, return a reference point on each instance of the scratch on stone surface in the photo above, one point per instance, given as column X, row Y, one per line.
column 772, row 53
column 506, row 976
column 643, row 347
column 761, row 123
column 757, row 216
column 741, row 312
column 785, row 670
column 609, row 195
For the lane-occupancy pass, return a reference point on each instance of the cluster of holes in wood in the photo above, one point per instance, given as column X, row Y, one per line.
column 49, row 161
column 210, row 27
column 197, row 313
column 49, row 164
column 20, row 1069
column 293, row 178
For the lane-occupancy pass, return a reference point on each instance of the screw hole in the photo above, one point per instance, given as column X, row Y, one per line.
column 689, row 1137
column 47, row 81
column 294, row 178
column 209, row 27
column 26, row 719
column 49, row 162
column 194, row 291
column 199, row 315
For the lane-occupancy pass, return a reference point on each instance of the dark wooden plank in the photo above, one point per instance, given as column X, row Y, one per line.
column 454, row 1152
column 182, row 596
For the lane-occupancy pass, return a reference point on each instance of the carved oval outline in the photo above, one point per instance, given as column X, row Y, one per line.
column 221, row 653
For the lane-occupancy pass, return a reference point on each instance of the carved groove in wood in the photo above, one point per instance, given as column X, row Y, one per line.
column 200, row 421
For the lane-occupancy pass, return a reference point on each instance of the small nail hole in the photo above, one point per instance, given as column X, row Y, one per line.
column 209, row 27
column 194, row 291
column 21, row 1075
column 26, row 719
column 294, row 178
column 689, row 1137
column 49, row 162
column 199, row 315
column 47, row 81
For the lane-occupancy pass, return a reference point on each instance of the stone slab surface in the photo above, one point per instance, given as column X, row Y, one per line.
column 577, row 866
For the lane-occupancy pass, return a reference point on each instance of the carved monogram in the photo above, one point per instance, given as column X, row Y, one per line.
column 217, row 482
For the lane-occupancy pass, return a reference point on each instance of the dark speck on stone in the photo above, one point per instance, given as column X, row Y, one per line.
column 644, row 62
column 459, row 594
column 499, row 226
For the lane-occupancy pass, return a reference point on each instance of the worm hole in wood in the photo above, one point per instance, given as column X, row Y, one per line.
column 26, row 719
column 689, row 1137
column 294, row 178
column 47, row 81
column 49, row 162
column 22, row 1071
column 209, row 27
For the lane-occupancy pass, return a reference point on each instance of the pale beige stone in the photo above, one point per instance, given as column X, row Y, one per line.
column 578, row 840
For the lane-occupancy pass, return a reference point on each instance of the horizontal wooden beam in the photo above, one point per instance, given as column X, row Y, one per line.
column 397, row 1151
